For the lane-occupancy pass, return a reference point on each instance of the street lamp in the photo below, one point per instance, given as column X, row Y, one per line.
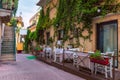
column 99, row 10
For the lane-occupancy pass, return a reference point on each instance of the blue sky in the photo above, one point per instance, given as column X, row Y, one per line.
column 28, row 8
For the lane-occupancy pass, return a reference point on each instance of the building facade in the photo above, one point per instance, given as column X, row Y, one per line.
column 105, row 36
column 33, row 22
column 7, row 34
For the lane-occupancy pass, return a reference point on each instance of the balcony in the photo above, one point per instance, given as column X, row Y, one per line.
column 6, row 8
column 7, row 4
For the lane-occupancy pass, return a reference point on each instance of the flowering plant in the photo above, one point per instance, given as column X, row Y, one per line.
column 96, row 55
column 38, row 48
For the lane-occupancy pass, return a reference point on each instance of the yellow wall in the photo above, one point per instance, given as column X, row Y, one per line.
column 33, row 28
column 88, row 45
column 34, row 20
column 19, row 46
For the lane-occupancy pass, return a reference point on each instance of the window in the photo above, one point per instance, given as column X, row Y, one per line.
column 60, row 34
column 48, row 36
column 75, row 32
column 107, row 37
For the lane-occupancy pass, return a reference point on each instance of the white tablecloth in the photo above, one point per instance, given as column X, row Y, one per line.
column 83, row 59
column 58, row 52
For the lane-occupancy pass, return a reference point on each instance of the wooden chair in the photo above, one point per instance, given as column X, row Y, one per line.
column 106, row 68
column 75, row 58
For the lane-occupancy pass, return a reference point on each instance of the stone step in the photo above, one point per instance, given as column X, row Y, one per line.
column 8, row 28
column 11, row 31
column 11, row 35
column 7, row 57
column 7, row 52
column 7, row 33
column 8, row 39
column 7, row 43
column 7, row 47
column 10, row 49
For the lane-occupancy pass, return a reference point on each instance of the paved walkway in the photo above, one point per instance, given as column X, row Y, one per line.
column 25, row 69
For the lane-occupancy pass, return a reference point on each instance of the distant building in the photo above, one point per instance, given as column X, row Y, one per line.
column 33, row 22
column 19, row 37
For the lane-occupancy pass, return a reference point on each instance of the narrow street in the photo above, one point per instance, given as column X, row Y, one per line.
column 30, row 69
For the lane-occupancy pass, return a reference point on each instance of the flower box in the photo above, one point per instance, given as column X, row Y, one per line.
column 104, row 61
column 40, row 50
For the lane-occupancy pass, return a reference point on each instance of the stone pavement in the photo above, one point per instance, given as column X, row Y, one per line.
column 24, row 69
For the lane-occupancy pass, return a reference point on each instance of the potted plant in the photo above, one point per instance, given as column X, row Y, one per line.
column 98, row 58
column 38, row 49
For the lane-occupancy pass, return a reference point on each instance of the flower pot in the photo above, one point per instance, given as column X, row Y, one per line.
column 104, row 61
column 40, row 50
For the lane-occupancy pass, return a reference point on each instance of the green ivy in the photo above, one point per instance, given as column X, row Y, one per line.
column 13, row 21
column 27, row 41
column 43, row 23
column 33, row 36
column 70, row 13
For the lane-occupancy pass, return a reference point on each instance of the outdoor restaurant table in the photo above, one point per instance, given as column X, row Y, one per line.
column 68, row 54
column 48, row 52
column 83, row 60
column 59, row 53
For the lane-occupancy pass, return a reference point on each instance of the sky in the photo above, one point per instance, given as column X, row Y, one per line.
column 27, row 8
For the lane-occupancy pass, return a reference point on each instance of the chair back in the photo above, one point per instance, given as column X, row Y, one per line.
column 111, row 57
column 58, row 50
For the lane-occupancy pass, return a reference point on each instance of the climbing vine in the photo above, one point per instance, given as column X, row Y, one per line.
column 27, row 41
column 72, row 13
column 43, row 23
column 33, row 36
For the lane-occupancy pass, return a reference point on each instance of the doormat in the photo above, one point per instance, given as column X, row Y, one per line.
column 31, row 57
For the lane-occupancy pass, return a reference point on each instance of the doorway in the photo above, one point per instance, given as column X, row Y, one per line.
column 107, row 37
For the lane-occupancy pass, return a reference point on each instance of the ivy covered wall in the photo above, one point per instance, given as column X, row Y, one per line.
column 74, row 17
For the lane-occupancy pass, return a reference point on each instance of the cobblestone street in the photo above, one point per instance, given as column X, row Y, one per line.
column 25, row 69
